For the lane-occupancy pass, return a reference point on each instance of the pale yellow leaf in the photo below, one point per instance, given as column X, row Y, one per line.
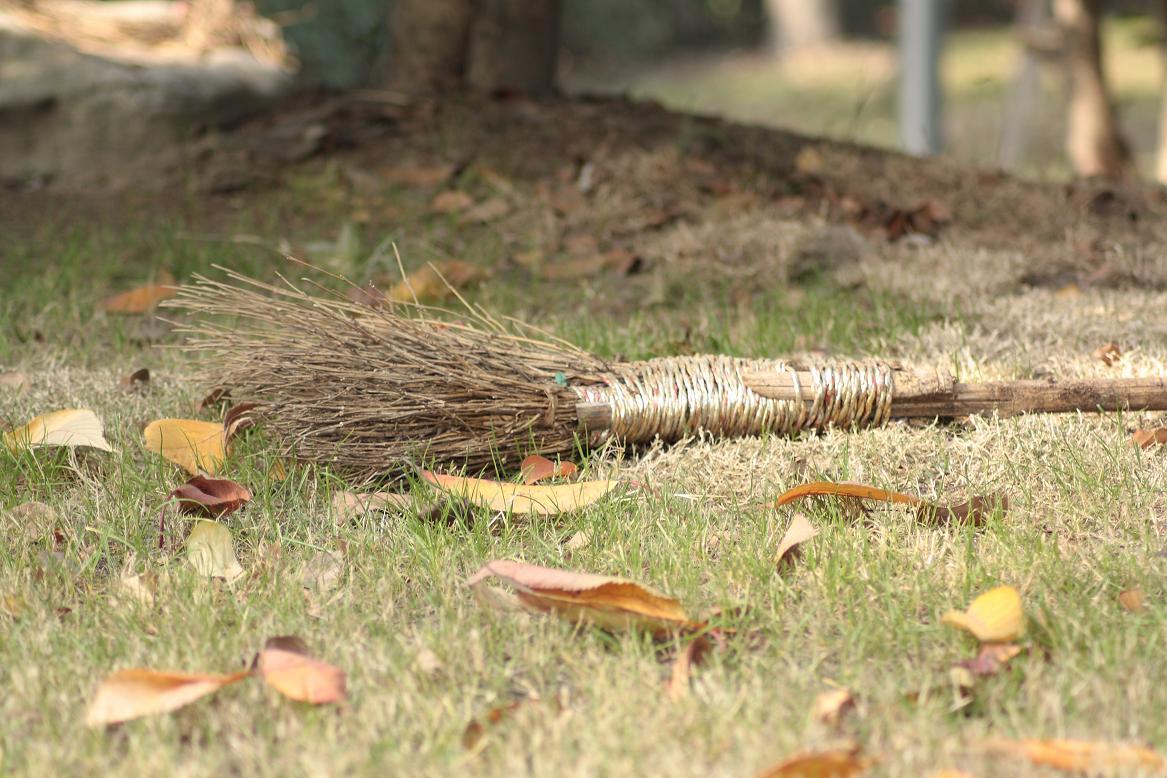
column 545, row 500
column 1080, row 755
column 830, row 706
column 799, row 531
column 994, row 617
column 211, row 551
column 286, row 666
column 71, row 427
column 129, row 694
column 195, row 446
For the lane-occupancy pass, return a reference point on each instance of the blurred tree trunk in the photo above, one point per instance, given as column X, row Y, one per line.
column 492, row 45
column 800, row 23
column 1094, row 142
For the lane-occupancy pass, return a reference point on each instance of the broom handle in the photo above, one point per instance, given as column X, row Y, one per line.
column 930, row 393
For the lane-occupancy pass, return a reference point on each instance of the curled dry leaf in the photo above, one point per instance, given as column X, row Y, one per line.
column 192, row 445
column 1079, row 755
column 692, row 655
column 799, row 531
column 136, row 381
column 537, row 468
column 835, row 763
column 991, row 658
column 69, row 428
column 346, row 505
column 1108, row 353
column 972, row 512
column 286, row 665
column 611, row 603
column 994, row 617
column 1133, row 600
column 830, row 706
column 211, row 551
column 214, row 497
column 522, row 498
column 130, row 694
column 1146, row 438
column 139, row 300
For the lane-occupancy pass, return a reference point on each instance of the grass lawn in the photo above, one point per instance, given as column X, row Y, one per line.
column 860, row 609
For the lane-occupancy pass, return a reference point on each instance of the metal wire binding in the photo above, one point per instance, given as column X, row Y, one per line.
column 676, row 396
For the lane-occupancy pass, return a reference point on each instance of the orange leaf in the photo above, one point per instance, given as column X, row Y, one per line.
column 193, row 445
column 1145, row 438
column 139, row 300
column 1108, row 353
column 836, row 763
column 611, row 603
column 522, row 498
column 286, row 666
column 1079, row 755
column 537, row 468
column 129, row 694
column 211, row 496
column 827, row 488
column 1133, row 600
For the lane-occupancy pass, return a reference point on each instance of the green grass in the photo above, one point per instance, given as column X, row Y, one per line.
column 860, row 608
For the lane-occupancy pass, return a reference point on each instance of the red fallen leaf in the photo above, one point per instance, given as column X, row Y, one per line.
column 286, row 666
column 537, row 468
column 992, row 657
column 214, row 497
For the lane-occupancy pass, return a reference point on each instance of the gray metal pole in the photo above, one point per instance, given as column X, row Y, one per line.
column 921, row 31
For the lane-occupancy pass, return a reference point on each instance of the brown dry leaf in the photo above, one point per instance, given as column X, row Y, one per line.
column 486, row 211
column 1079, row 755
column 435, row 282
column 577, row 541
column 537, row 468
column 192, row 445
column 1145, row 438
column 286, row 665
column 991, row 658
column 611, row 603
column 137, row 381
column 214, row 497
column 994, row 617
column 835, row 763
column 476, row 729
column 14, row 381
column 346, row 505
column 830, row 706
column 421, row 176
column 451, row 201
column 694, row 653
column 69, row 428
column 539, row 499
column 211, row 551
column 799, row 531
column 532, row 260
column 972, row 512
column 323, row 571
column 617, row 259
column 130, row 694
column 30, row 521
column 1133, row 600
column 1108, row 353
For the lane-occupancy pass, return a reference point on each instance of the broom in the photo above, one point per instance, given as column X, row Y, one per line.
column 368, row 390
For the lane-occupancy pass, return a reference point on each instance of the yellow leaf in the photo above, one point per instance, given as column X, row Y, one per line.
column 830, row 706
column 836, row 763
column 193, row 445
column 286, row 666
column 210, row 550
column 1079, row 755
column 129, row 694
column 540, row 499
column 72, row 427
column 611, row 603
column 994, row 617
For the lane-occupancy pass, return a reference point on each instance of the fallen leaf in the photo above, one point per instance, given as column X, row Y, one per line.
column 972, row 512
column 192, row 445
column 581, row 244
column 809, row 161
column 138, row 380
column 1079, row 755
column 994, row 617
column 130, row 694
column 951, row 774
column 692, row 655
column 139, row 300
column 531, row 260
column 427, row 662
column 836, row 763
column 537, row 468
column 1145, row 438
column 476, row 729
column 29, row 521
column 346, row 505
column 991, row 658
column 14, row 381
column 539, row 499
column 799, row 531
column 422, row 176
column 1133, row 600
column 211, row 551
column 451, row 201
column 577, row 541
column 72, row 427
column 862, row 491
column 617, row 259
column 611, row 603
column 486, row 211
column 214, row 497
column 435, row 282
column 239, row 418
column 286, row 665
column 323, row 571
column 1108, row 354
column 830, row 706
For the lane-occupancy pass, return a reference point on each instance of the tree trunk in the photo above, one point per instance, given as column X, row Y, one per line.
column 798, row 24
column 1094, row 142
column 514, row 45
column 428, row 40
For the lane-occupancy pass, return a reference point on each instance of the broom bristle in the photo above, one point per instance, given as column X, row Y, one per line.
column 370, row 390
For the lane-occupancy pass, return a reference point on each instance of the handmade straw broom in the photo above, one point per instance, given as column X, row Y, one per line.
column 368, row 390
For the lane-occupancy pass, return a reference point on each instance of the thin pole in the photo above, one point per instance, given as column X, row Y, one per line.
column 921, row 31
